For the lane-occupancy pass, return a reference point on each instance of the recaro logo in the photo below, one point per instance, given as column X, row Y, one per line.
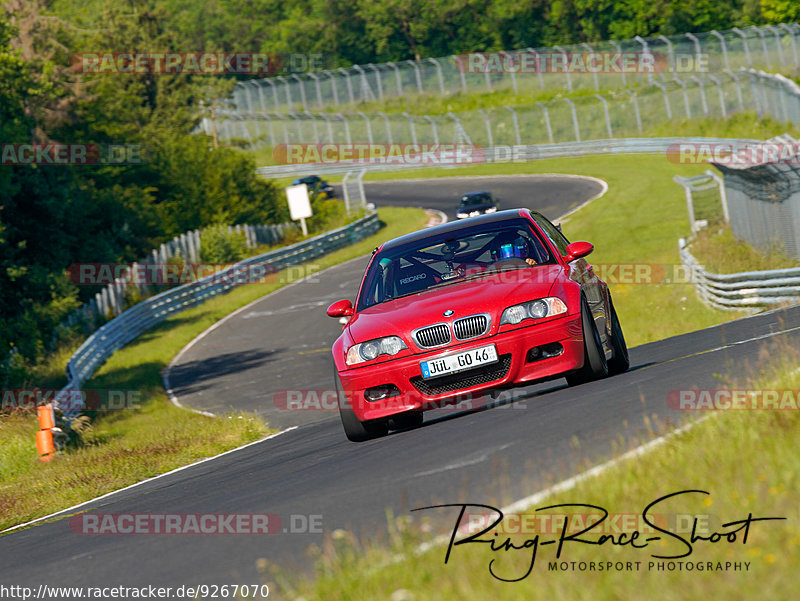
column 413, row 278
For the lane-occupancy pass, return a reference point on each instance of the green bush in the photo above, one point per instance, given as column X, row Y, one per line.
column 218, row 245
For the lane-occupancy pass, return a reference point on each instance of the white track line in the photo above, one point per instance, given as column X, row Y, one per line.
column 135, row 484
column 165, row 376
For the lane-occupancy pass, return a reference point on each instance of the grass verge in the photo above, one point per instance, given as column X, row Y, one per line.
column 153, row 436
column 746, row 460
column 720, row 252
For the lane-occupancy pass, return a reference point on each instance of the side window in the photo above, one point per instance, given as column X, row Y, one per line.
column 556, row 237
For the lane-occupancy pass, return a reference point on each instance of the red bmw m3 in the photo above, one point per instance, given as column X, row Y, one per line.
column 466, row 309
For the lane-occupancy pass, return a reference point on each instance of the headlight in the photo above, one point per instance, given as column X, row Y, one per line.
column 461, row 215
column 372, row 349
column 543, row 307
column 491, row 210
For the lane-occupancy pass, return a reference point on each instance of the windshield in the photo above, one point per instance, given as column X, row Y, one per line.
column 478, row 199
column 451, row 258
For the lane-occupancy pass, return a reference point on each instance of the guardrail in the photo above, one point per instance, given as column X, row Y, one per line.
column 131, row 323
column 749, row 289
column 502, row 154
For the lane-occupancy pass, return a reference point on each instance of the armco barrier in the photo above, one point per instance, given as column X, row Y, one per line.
column 529, row 152
column 748, row 289
column 131, row 323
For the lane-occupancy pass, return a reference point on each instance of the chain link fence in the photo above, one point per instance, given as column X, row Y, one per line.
column 618, row 114
column 527, row 70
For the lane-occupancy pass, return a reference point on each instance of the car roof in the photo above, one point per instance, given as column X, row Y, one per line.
column 481, row 193
column 456, row 226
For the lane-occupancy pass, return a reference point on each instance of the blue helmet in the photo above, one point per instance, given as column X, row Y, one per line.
column 509, row 244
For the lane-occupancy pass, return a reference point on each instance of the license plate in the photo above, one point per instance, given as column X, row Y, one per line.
column 450, row 364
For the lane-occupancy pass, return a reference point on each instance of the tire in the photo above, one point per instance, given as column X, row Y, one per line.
column 354, row 429
column 620, row 362
column 409, row 419
column 595, row 365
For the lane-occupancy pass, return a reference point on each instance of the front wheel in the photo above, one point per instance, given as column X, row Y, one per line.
column 595, row 365
column 354, row 429
column 620, row 362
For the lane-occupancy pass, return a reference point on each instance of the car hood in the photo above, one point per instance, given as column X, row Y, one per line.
column 488, row 294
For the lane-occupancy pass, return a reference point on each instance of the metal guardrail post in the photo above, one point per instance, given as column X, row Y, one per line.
column 388, row 126
column 743, row 35
column 378, row 80
column 666, row 98
column 682, row 84
column 566, row 65
column 438, row 74
column 721, row 95
column 515, row 121
column 605, row 112
column 539, row 68
column 397, row 78
column 488, row 126
column 460, row 68
column 724, row 46
column 348, row 83
column 645, row 50
column 550, row 129
column 369, row 126
column 417, row 74
column 738, row 85
column 574, row 119
column 411, row 127
column 790, row 31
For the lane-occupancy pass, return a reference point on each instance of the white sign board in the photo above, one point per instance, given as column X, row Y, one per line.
column 299, row 206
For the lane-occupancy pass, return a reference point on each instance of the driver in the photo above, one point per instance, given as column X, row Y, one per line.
column 510, row 244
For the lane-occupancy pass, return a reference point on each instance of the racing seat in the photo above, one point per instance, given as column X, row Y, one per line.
column 413, row 278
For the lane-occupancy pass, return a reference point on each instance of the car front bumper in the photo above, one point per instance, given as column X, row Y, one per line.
column 512, row 369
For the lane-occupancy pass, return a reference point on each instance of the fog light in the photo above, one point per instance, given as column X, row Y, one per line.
column 545, row 351
column 378, row 393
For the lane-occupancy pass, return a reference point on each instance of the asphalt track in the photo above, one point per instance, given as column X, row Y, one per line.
column 489, row 456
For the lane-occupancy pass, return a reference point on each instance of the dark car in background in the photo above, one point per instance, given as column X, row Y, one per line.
column 316, row 185
column 476, row 203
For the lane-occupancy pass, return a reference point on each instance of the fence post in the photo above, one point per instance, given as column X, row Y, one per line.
column 346, row 127
column 566, row 65
column 645, row 50
column 723, row 193
column 547, row 121
column 618, row 48
column 397, row 78
column 738, row 85
column 764, row 47
column 348, row 83
column 388, row 126
column 433, row 126
column 682, row 84
column 332, row 78
column 460, row 68
column 516, row 125
column 417, row 74
column 743, row 35
column 488, row 127
column 594, row 72
column 378, row 80
column 505, row 54
column 439, row 74
column 721, row 95
column 574, row 119
column 605, row 112
column 666, row 98
column 369, row 126
column 791, row 41
column 722, row 43
column 411, row 127
column 539, row 70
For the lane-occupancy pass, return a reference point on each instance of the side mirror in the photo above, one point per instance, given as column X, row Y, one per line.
column 342, row 308
column 576, row 250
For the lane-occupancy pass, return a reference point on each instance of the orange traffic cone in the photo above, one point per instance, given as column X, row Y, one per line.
column 44, row 437
column 44, row 444
column 46, row 418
